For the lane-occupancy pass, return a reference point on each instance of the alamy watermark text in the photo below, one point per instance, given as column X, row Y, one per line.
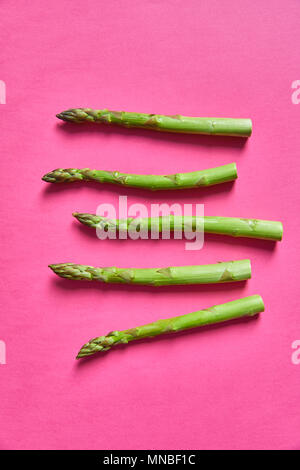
column 295, row 357
column 296, row 94
column 2, row 352
column 136, row 221
column 2, row 92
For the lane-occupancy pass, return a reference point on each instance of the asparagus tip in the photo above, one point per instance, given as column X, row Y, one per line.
column 77, row 216
column 64, row 115
column 69, row 115
column 49, row 177
column 54, row 267
column 80, row 355
column 84, row 352
column 86, row 219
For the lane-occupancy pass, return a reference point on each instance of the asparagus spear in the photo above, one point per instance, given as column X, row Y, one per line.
column 194, row 179
column 247, row 306
column 175, row 123
column 233, row 226
column 205, row 274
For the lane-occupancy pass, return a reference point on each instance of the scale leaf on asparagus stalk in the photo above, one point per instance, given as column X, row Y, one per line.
column 194, row 179
column 232, row 226
column 204, row 274
column 159, row 122
column 247, row 306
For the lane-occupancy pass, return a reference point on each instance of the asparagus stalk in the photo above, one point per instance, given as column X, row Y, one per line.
column 247, row 306
column 205, row 274
column 194, row 179
column 175, row 123
column 233, row 226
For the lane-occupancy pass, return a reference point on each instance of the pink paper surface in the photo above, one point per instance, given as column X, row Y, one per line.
column 225, row 387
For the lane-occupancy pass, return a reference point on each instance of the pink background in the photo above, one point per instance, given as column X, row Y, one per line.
column 226, row 387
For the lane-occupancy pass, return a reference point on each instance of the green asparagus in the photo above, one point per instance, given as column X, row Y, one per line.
column 247, row 306
column 195, row 179
column 233, row 226
column 205, row 274
column 175, row 123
